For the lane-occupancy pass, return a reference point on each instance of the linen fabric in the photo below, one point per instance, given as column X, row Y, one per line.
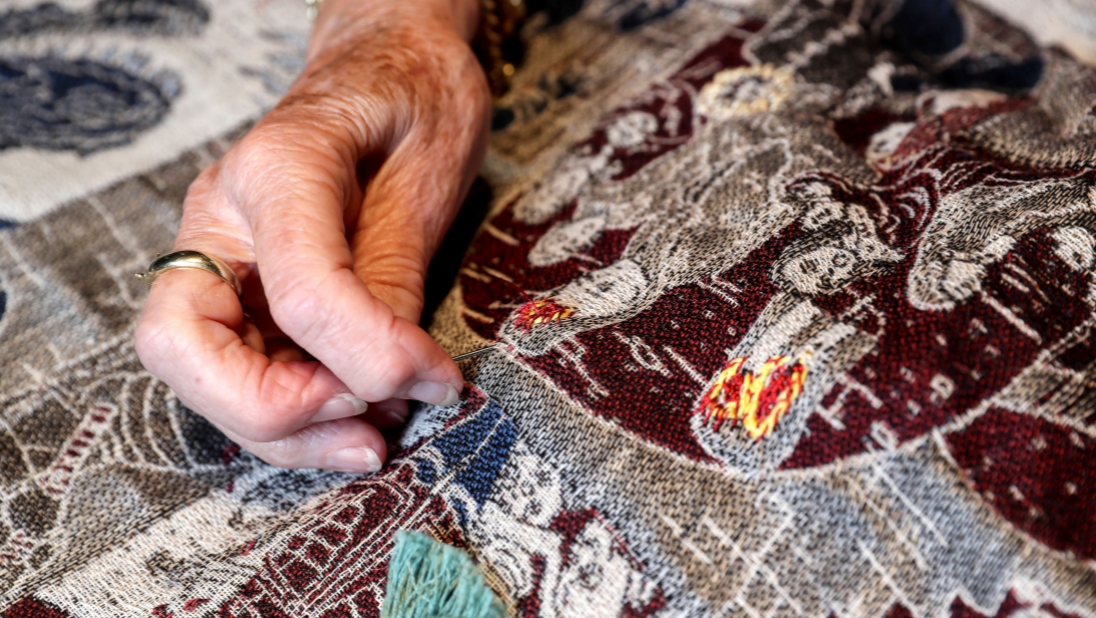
column 795, row 317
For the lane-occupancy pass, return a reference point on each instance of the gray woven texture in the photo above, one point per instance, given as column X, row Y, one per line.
column 891, row 230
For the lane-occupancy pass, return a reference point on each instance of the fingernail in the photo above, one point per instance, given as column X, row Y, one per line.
column 434, row 392
column 342, row 405
column 354, row 459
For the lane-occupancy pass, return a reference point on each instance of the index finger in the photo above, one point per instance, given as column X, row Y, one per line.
column 188, row 336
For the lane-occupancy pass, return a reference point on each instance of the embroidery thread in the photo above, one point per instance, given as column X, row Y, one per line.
column 758, row 400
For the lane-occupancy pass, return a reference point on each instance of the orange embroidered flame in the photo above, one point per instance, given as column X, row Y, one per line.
column 537, row 312
column 759, row 401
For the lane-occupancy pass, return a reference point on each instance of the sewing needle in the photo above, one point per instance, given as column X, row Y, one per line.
column 473, row 353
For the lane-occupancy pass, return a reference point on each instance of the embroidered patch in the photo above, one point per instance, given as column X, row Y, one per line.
column 538, row 312
column 758, row 399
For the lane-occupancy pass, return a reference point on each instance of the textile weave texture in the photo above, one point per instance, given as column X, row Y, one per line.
column 794, row 304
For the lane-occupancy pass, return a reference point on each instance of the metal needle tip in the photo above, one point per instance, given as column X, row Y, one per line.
column 473, row 353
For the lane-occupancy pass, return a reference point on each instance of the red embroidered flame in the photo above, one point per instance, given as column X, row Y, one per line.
column 758, row 400
column 537, row 312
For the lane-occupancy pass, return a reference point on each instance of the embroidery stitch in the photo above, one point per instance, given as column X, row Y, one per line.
column 541, row 312
column 758, row 400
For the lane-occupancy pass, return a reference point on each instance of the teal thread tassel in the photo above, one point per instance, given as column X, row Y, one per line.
column 428, row 579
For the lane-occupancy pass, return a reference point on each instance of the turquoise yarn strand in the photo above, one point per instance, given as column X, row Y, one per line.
column 428, row 579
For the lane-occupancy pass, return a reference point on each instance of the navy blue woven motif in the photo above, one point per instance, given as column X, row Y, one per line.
column 168, row 16
column 926, row 31
column 925, row 27
column 479, row 447
column 82, row 105
column 164, row 17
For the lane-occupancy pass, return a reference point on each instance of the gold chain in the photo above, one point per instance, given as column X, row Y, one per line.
column 500, row 21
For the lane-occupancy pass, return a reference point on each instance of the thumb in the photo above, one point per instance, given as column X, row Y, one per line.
column 294, row 179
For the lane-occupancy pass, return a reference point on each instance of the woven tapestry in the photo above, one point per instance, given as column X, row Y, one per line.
column 793, row 307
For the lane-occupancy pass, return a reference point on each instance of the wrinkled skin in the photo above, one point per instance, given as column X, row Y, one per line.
column 338, row 197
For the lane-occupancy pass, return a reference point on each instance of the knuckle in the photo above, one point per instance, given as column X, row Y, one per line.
column 389, row 371
column 300, row 305
column 396, row 375
column 206, row 184
column 318, row 121
column 294, row 307
column 308, row 108
column 276, row 150
column 288, row 156
column 259, row 424
column 275, row 404
column 255, row 155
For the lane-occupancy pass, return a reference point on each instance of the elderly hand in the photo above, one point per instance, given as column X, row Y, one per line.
column 328, row 210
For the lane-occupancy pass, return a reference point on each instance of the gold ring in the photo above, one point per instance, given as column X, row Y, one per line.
column 190, row 259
